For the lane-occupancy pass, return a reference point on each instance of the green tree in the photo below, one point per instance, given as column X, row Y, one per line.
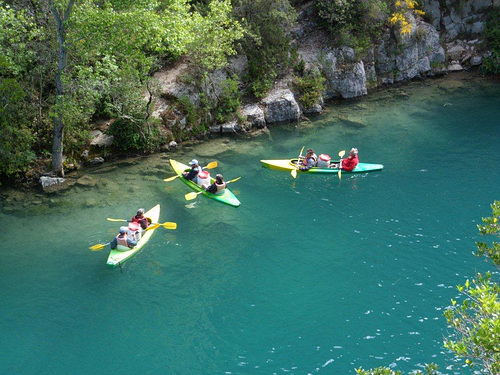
column 105, row 40
column 214, row 36
column 61, row 12
column 266, row 43
column 18, row 30
column 476, row 321
column 491, row 64
column 17, row 138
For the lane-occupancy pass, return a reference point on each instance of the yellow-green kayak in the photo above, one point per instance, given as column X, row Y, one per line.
column 226, row 197
column 117, row 257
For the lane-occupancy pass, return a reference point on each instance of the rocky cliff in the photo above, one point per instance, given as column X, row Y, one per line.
column 448, row 39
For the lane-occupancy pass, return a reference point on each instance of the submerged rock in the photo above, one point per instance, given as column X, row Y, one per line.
column 53, row 184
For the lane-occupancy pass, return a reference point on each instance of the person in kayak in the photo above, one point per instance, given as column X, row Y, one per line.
column 140, row 219
column 218, row 185
column 349, row 163
column 193, row 172
column 124, row 240
column 309, row 160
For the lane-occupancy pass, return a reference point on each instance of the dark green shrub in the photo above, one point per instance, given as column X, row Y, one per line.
column 309, row 88
column 353, row 23
column 135, row 136
column 229, row 100
column 17, row 138
column 491, row 64
column 266, row 42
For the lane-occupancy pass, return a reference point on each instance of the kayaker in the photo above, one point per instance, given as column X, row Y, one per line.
column 124, row 240
column 218, row 185
column 349, row 163
column 309, row 160
column 193, row 172
column 140, row 219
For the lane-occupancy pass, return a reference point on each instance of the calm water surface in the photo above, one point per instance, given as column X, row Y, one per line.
column 307, row 276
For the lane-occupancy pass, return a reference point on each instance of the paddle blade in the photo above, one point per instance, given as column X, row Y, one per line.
column 212, row 165
column 109, row 219
column 169, row 225
column 233, row 180
column 294, row 173
column 171, row 178
column 153, row 227
column 97, row 247
column 191, row 196
column 341, row 155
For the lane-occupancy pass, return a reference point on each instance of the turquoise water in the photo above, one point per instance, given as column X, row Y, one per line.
column 312, row 275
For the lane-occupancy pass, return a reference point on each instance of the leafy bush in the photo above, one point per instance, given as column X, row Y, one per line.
column 229, row 100
column 353, row 22
column 266, row 44
column 491, row 64
column 310, row 88
column 132, row 136
column 17, row 138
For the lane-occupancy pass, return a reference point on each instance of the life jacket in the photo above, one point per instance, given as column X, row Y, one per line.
column 122, row 243
column 220, row 188
column 136, row 219
column 314, row 157
column 143, row 221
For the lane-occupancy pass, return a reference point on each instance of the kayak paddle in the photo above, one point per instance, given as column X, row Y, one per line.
column 210, row 165
column 166, row 225
column 193, row 195
column 99, row 246
column 341, row 155
column 109, row 219
column 294, row 171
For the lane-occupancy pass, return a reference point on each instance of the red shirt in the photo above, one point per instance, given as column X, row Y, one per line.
column 350, row 163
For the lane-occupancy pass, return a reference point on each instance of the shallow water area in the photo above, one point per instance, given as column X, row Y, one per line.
column 309, row 275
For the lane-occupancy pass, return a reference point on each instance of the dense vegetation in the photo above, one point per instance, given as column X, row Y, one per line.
column 474, row 320
column 64, row 64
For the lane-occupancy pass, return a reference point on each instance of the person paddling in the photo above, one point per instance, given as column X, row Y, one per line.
column 140, row 219
column 193, row 172
column 351, row 161
column 124, row 240
column 218, row 185
column 309, row 161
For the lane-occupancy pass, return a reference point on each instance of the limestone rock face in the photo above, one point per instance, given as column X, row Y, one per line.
column 100, row 139
column 228, row 127
column 254, row 116
column 280, row 106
